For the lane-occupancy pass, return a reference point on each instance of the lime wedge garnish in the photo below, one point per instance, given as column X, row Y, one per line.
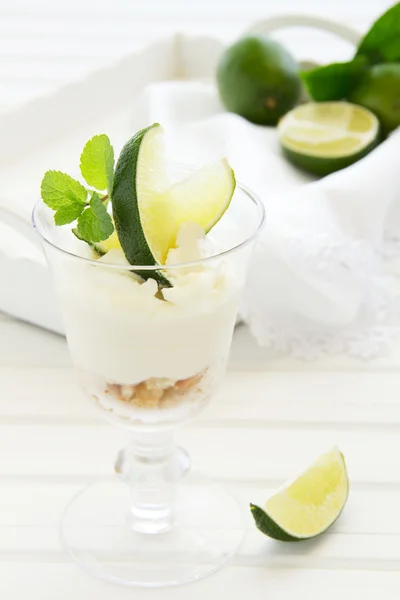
column 148, row 212
column 309, row 505
column 323, row 137
column 111, row 243
column 203, row 197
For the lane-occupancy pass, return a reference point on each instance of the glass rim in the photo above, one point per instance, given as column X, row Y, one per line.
column 159, row 267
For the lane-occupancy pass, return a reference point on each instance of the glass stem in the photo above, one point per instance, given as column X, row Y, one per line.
column 151, row 465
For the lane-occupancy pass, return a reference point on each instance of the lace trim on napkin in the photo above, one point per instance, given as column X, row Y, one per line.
column 325, row 257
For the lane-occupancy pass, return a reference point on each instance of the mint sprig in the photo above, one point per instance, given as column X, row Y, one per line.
column 71, row 200
column 94, row 224
column 97, row 163
column 68, row 213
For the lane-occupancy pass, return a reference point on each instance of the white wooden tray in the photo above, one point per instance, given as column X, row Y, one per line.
column 50, row 132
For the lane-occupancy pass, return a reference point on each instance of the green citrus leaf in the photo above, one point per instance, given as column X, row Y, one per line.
column 382, row 42
column 335, row 81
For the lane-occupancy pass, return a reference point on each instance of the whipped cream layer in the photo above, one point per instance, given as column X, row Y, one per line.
column 118, row 329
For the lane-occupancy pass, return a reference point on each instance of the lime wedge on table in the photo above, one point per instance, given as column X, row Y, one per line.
column 148, row 212
column 309, row 505
column 327, row 136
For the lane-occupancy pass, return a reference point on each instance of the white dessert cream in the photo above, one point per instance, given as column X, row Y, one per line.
column 149, row 345
column 138, row 350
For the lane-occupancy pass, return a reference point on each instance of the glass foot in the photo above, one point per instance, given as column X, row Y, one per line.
column 206, row 532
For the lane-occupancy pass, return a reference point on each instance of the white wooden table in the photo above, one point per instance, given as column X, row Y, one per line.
column 266, row 423
column 269, row 419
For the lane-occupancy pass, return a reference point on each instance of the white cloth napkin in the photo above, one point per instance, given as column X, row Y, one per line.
column 320, row 280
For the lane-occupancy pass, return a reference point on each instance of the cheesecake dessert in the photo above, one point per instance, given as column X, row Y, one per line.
column 150, row 308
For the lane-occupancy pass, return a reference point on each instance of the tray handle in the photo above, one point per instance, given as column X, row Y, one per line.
column 281, row 21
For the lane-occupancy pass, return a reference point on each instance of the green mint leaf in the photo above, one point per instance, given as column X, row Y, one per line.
column 68, row 213
column 382, row 42
column 77, row 234
column 335, row 81
column 95, row 224
column 59, row 189
column 97, row 163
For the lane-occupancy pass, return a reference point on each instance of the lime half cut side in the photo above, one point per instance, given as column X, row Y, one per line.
column 323, row 137
column 309, row 505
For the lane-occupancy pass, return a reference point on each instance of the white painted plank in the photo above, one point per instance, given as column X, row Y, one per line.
column 26, row 345
column 372, row 399
column 51, row 581
column 309, row 397
column 262, row 454
column 368, row 512
column 33, row 393
column 22, row 90
column 332, row 551
column 42, row 46
column 64, row 34
column 49, row 68
column 364, row 537
column 108, row 28
column 277, row 453
column 326, row 552
column 158, row 9
column 75, row 35
column 29, row 531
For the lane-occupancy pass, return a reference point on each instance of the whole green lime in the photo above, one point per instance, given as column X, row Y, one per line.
column 379, row 91
column 258, row 79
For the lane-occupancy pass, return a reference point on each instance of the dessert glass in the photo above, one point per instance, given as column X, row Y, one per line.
column 151, row 361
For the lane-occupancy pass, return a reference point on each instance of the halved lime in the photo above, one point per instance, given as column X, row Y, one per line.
column 148, row 212
column 323, row 137
column 309, row 505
